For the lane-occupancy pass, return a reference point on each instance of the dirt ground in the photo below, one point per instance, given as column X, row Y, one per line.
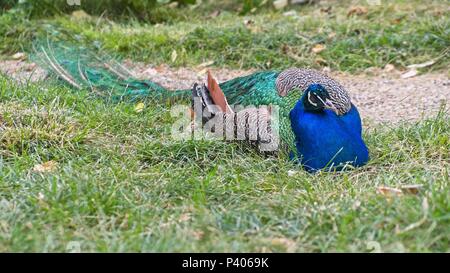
column 381, row 97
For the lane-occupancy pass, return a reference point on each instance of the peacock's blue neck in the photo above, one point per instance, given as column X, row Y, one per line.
column 324, row 139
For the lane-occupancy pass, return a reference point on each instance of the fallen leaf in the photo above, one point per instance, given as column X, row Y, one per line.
column 19, row 56
column 294, row 56
column 372, row 70
column 248, row 22
column 254, row 28
column 150, row 71
column 280, row 4
column 41, row 196
column 290, row 13
column 198, row 235
column 318, row 48
column 173, row 5
column 30, row 67
column 185, row 217
column 173, row 56
column 48, row 166
column 291, row 173
column 331, row 35
column 326, row 69
column 205, row 64
column 411, row 189
column 320, row 61
column 439, row 13
column 263, row 2
column 357, row 10
column 397, row 21
column 160, row 68
column 139, row 107
column 288, row 244
column 389, row 68
column 214, row 14
column 326, row 10
column 356, row 205
column 80, row 15
column 425, row 206
column 202, row 72
column 388, row 191
column 422, row 65
column 250, row 25
column 29, row 225
column 409, row 74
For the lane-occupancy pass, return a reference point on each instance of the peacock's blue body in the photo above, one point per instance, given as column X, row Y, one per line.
column 326, row 140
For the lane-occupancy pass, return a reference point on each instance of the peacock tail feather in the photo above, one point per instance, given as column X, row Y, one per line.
column 85, row 68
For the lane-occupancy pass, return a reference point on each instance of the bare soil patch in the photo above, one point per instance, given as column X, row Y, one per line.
column 381, row 97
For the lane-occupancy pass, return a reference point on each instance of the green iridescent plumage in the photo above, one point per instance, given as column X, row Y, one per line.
column 105, row 77
column 259, row 89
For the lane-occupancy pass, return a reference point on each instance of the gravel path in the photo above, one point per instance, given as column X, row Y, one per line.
column 383, row 97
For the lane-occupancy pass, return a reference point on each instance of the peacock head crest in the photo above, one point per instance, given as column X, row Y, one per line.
column 333, row 94
column 317, row 98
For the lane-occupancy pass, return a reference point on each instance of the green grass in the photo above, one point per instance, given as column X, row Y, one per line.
column 398, row 32
column 122, row 184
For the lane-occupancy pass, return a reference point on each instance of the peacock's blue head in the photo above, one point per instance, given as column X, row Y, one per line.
column 316, row 99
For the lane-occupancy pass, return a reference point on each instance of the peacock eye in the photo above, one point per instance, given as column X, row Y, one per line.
column 312, row 99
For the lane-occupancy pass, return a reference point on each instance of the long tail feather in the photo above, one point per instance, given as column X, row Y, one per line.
column 82, row 67
column 59, row 70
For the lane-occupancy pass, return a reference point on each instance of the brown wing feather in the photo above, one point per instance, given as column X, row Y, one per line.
column 217, row 94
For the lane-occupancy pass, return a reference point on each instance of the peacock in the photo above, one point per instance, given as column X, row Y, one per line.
column 318, row 124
